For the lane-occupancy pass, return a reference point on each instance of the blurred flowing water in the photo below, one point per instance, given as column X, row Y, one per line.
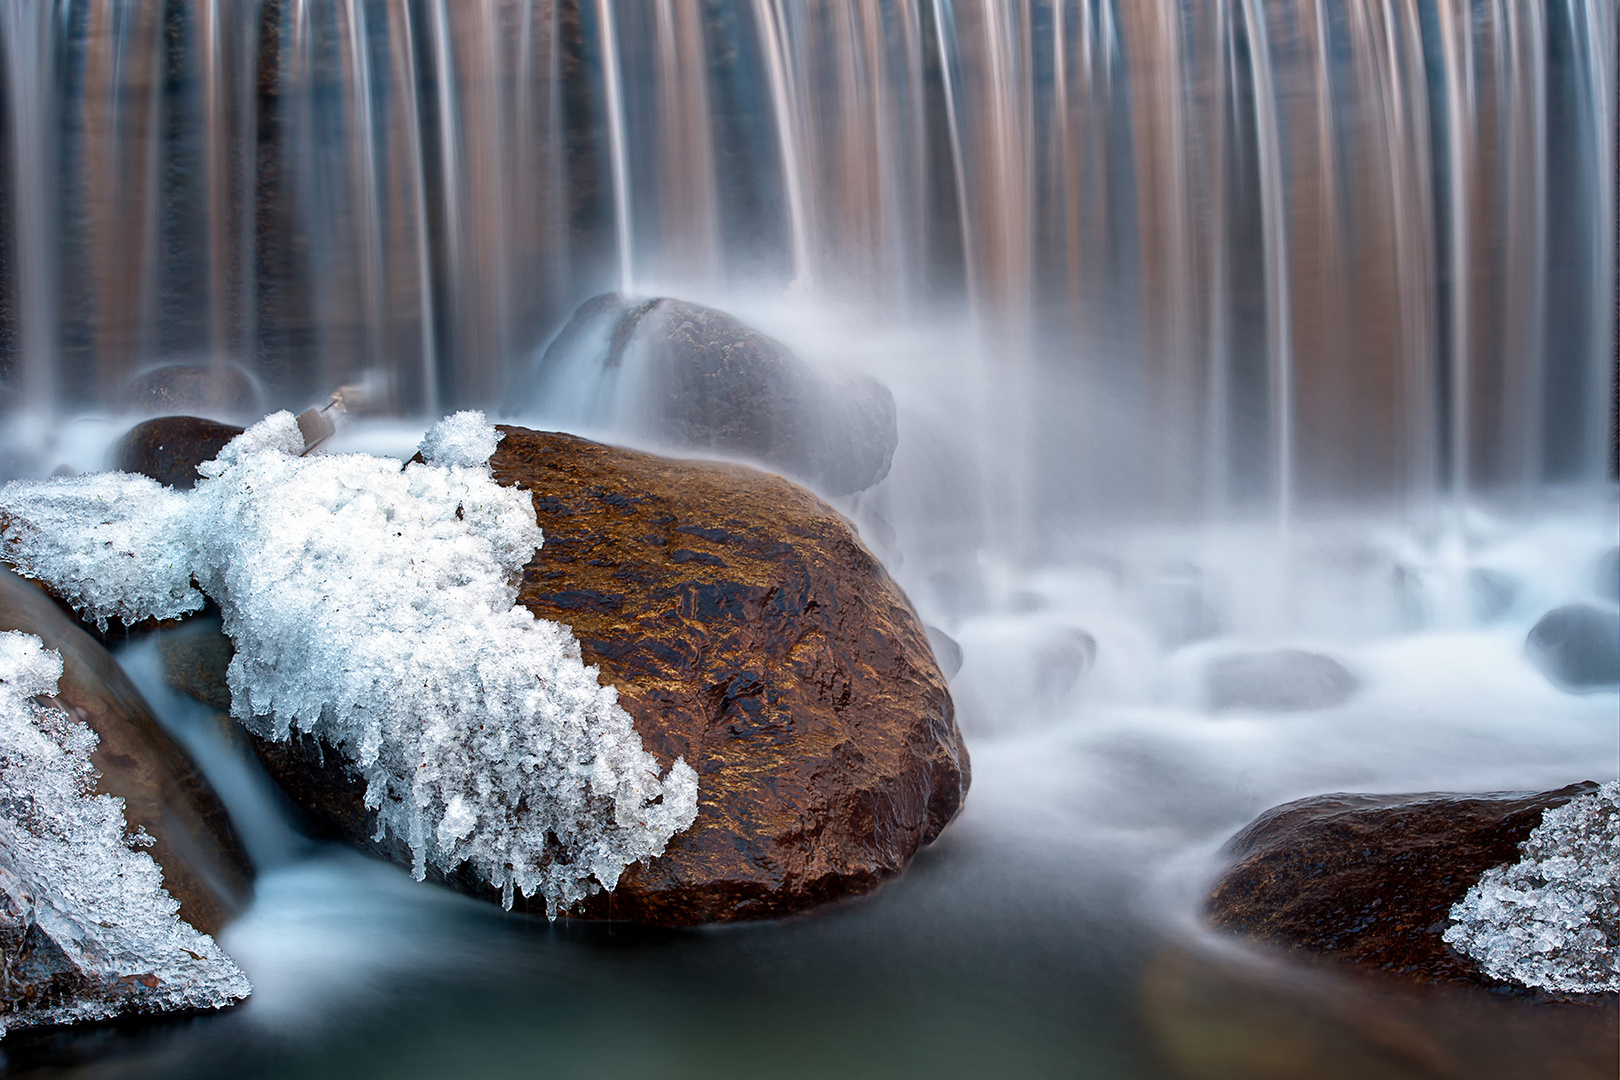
column 1213, row 325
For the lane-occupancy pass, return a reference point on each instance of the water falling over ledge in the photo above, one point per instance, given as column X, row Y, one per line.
column 1215, row 328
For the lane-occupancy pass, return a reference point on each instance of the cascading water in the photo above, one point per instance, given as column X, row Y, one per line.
column 1211, row 324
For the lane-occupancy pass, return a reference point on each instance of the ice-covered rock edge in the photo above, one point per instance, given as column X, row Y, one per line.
column 374, row 606
column 81, row 912
column 1551, row 921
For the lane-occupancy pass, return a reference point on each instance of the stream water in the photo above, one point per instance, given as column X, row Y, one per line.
column 1214, row 326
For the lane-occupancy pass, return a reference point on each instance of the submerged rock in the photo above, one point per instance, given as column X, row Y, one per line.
column 218, row 389
column 747, row 631
column 204, row 864
column 1371, row 879
column 169, row 448
column 1282, row 680
column 705, row 380
column 1577, row 646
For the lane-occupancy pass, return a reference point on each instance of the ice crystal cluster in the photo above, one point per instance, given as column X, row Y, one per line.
column 86, row 928
column 374, row 606
column 1552, row 919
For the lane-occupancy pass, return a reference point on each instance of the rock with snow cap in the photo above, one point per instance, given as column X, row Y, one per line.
column 746, row 631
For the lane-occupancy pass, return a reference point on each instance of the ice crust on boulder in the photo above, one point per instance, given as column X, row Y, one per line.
column 1552, row 919
column 87, row 930
column 374, row 606
column 111, row 544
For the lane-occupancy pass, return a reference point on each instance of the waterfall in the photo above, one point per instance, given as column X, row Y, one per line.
column 1239, row 256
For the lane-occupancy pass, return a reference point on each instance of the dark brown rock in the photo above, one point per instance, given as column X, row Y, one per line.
column 204, row 865
column 711, row 382
column 169, row 448
column 748, row 631
column 1371, row 879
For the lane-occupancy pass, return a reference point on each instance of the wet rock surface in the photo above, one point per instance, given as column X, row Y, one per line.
column 204, row 864
column 711, row 382
column 1577, row 647
column 169, row 448
column 1282, row 680
column 1371, row 879
column 748, row 631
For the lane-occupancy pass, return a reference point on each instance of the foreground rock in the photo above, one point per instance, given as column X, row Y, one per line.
column 748, row 631
column 1371, row 879
column 169, row 448
column 701, row 379
column 204, row 865
column 1342, row 900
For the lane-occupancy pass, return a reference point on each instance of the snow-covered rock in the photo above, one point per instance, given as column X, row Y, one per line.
column 1552, row 919
column 86, row 928
column 372, row 606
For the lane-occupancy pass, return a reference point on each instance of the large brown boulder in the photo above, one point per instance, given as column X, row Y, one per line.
column 697, row 378
column 1371, row 879
column 204, row 865
column 748, row 631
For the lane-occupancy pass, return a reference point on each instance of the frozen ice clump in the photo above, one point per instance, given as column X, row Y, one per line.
column 1552, row 919
column 465, row 439
column 114, row 545
column 374, row 607
column 86, row 928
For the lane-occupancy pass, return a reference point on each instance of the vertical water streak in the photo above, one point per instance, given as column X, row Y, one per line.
column 407, row 79
column 688, row 212
column 785, row 112
column 120, row 165
column 365, row 212
column 216, row 152
column 945, row 35
column 1274, row 225
column 1457, row 51
column 29, row 40
column 1160, row 139
column 1525, row 258
column 1600, row 90
column 1217, row 452
column 613, row 96
column 451, row 150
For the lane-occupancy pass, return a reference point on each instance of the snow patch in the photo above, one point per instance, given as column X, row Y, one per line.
column 87, row 930
column 374, row 607
column 1552, row 919
column 464, row 439
column 111, row 544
